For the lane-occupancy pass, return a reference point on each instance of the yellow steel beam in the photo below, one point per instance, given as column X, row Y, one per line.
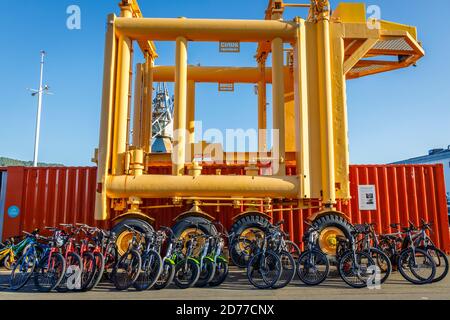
column 180, row 105
column 147, row 104
column 164, row 186
column 326, row 110
column 301, row 111
column 106, row 121
column 121, row 109
column 138, row 106
column 190, row 114
column 217, row 74
column 359, row 54
column 278, row 102
column 146, row 46
column 204, row 29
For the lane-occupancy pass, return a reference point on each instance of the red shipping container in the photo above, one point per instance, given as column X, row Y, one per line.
column 49, row 196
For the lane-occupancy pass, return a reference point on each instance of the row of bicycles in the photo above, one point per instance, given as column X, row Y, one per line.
column 363, row 259
column 78, row 257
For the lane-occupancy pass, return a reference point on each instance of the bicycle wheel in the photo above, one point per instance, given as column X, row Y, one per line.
column 166, row 276
column 383, row 263
column 49, row 272
column 264, row 270
column 441, row 261
column 150, row 270
column 99, row 270
column 72, row 275
column 22, row 269
column 293, row 249
column 288, row 265
column 127, row 270
column 241, row 252
column 207, row 272
column 8, row 262
column 356, row 269
column 111, row 258
column 313, row 267
column 187, row 273
column 220, row 274
column 416, row 266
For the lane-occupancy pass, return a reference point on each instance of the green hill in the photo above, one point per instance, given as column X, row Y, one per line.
column 8, row 162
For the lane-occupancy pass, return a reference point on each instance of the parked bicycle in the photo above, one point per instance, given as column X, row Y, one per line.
column 313, row 266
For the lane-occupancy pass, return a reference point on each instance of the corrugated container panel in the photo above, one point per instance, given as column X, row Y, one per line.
column 49, row 196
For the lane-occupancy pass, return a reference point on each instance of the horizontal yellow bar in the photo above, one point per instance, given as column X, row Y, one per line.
column 157, row 29
column 163, row 186
column 216, row 74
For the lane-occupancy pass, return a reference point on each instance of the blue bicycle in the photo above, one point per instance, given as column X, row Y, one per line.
column 42, row 259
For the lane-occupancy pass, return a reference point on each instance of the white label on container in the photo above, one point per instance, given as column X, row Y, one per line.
column 367, row 197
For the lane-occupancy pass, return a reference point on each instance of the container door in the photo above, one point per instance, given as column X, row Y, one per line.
column 3, row 176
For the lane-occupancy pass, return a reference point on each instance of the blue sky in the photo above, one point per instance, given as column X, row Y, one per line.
column 392, row 116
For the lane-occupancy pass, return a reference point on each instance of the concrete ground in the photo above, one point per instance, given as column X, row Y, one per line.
column 237, row 287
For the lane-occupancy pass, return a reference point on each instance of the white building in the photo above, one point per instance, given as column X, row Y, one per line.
column 435, row 156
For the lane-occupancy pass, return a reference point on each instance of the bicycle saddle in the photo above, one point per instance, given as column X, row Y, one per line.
column 394, row 225
column 342, row 239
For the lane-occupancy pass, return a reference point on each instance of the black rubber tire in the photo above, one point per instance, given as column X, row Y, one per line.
column 304, row 265
column 89, row 270
column 138, row 224
column 19, row 279
column 221, row 273
column 99, row 270
column 189, row 222
column 206, row 274
column 246, row 222
column 194, row 267
column 149, row 273
column 347, row 276
column 56, row 273
column 415, row 278
column 441, row 262
column 382, row 261
column 333, row 220
column 166, row 276
column 122, row 281
column 289, row 269
column 72, row 259
column 253, row 270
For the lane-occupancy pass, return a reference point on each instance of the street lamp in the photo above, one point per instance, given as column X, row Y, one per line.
column 42, row 89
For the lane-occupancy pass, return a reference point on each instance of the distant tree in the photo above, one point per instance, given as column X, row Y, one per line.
column 8, row 162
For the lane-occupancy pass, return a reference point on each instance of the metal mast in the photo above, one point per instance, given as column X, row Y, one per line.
column 39, row 110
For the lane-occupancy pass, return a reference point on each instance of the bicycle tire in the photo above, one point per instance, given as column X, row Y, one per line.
column 308, row 267
column 206, row 274
column 269, row 269
column 382, row 261
column 289, row 268
column 131, row 261
column 150, row 271
column 99, row 270
column 220, row 274
column 166, row 276
column 441, row 261
column 348, row 272
column 74, row 263
column 53, row 270
column 23, row 268
column 194, row 269
column 405, row 256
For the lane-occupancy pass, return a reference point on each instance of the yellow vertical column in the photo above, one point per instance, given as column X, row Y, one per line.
column 262, row 108
column 106, row 121
column 122, row 99
column 278, row 102
column 301, row 110
column 137, row 114
column 190, row 117
column 147, row 104
column 179, row 152
column 326, row 109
